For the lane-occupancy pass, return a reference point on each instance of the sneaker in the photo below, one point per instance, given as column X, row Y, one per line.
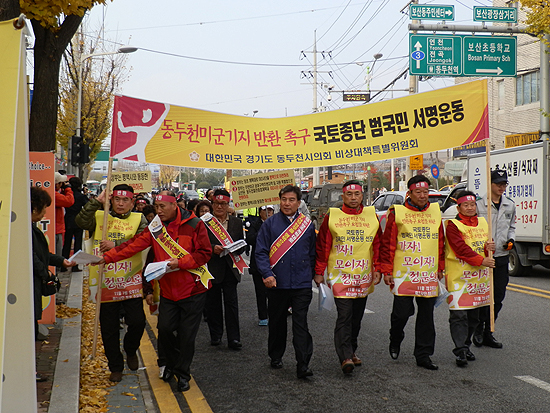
column 161, row 371
column 263, row 322
column 347, row 366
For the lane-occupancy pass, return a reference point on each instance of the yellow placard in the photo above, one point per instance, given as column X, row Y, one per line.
column 416, row 162
column 172, row 135
column 260, row 189
column 139, row 180
column 520, row 139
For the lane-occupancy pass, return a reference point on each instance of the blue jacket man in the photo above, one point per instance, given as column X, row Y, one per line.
column 285, row 257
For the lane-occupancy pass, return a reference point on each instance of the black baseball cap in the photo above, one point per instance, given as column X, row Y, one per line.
column 498, row 176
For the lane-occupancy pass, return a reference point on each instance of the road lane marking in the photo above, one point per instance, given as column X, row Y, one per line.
column 525, row 290
column 194, row 397
column 535, row 382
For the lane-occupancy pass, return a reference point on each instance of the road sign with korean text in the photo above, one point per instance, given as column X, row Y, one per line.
column 431, row 12
column 489, row 55
column 496, row 14
column 461, row 55
column 435, row 55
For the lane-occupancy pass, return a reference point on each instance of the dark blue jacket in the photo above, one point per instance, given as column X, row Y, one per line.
column 296, row 268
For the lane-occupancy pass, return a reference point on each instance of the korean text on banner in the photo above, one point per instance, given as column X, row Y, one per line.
column 260, row 189
column 173, row 135
column 139, row 180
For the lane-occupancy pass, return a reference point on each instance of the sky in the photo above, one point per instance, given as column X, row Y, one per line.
column 184, row 46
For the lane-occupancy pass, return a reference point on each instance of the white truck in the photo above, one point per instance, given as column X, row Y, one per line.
column 528, row 170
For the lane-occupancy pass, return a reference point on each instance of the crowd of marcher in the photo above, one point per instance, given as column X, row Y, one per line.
column 417, row 255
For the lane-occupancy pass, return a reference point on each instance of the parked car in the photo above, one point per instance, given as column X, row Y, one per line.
column 189, row 194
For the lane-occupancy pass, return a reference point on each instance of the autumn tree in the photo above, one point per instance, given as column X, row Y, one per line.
column 54, row 23
column 167, row 175
column 538, row 16
column 101, row 78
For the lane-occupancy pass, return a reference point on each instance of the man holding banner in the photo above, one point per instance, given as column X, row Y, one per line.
column 412, row 258
column 226, row 267
column 285, row 257
column 121, row 289
column 467, row 276
column 178, row 237
column 348, row 244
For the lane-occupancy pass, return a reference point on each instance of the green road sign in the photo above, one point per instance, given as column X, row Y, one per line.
column 460, row 55
column 431, row 12
column 435, row 55
column 489, row 55
column 496, row 14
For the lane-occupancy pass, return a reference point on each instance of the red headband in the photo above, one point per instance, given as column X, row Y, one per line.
column 465, row 198
column 141, row 201
column 420, row 184
column 165, row 198
column 222, row 198
column 123, row 193
column 352, row 187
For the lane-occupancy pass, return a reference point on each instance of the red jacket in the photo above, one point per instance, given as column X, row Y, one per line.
column 323, row 244
column 62, row 200
column 389, row 242
column 456, row 241
column 189, row 232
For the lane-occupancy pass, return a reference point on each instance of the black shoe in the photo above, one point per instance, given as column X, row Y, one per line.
column 490, row 341
column 168, row 374
column 470, row 356
column 427, row 364
column 235, row 345
column 133, row 362
column 276, row 364
column 304, row 372
column 215, row 342
column 183, row 384
column 478, row 340
column 394, row 351
column 461, row 360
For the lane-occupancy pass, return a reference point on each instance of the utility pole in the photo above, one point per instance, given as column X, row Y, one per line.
column 544, row 90
column 316, row 169
column 413, row 89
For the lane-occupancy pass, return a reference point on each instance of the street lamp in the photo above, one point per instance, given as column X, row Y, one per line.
column 123, row 49
column 368, row 78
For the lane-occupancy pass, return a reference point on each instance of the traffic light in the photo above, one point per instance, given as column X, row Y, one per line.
column 80, row 151
column 397, row 170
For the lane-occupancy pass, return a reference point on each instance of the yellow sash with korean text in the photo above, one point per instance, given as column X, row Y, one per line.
column 415, row 263
column 122, row 279
column 469, row 286
column 288, row 238
column 175, row 250
column 350, row 258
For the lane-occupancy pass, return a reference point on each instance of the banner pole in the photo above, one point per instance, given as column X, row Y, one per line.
column 101, row 271
column 490, row 228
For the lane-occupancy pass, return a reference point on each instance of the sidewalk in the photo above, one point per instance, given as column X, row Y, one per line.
column 58, row 360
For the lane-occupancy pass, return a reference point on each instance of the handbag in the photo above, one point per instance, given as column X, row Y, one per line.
column 50, row 284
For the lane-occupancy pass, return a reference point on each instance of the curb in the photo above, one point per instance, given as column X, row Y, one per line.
column 66, row 385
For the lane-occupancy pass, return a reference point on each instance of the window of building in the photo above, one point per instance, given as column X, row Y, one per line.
column 501, row 95
column 527, row 88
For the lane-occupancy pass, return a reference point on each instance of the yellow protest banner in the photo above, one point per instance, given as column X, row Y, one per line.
column 172, row 135
column 416, row 163
column 253, row 191
column 139, row 180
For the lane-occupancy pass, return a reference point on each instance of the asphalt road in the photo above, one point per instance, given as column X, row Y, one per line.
column 244, row 382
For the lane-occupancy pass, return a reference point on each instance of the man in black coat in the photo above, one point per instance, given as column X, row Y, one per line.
column 226, row 277
column 71, row 229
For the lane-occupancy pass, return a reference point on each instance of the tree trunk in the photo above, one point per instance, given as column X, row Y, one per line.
column 49, row 47
column 9, row 9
